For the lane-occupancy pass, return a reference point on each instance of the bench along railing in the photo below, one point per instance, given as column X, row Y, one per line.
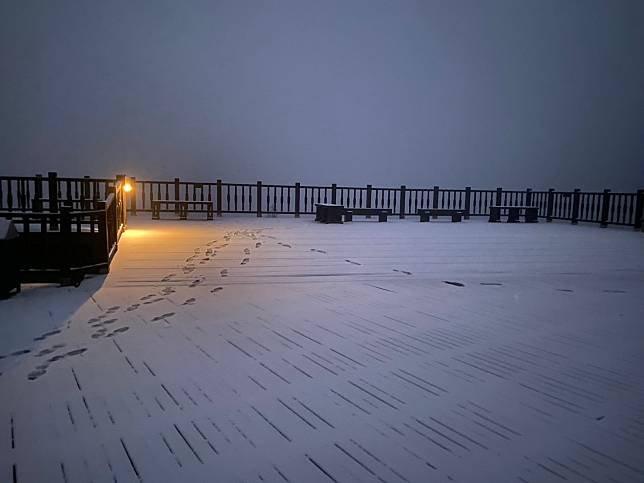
column 62, row 246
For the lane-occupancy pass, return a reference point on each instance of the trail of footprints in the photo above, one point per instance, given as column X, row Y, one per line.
column 106, row 325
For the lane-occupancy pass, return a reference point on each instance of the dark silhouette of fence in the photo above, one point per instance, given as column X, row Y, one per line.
column 40, row 193
column 605, row 208
column 68, row 226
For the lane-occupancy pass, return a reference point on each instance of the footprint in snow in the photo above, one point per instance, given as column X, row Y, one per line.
column 47, row 334
column 120, row 330
column 158, row 299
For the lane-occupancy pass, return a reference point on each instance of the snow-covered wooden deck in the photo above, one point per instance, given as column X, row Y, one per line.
column 278, row 349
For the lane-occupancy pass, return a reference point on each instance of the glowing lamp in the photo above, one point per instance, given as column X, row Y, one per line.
column 127, row 187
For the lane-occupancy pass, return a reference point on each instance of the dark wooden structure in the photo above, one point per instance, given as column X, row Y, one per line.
column 529, row 213
column 381, row 213
column 426, row 213
column 182, row 208
column 329, row 213
column 61, row 239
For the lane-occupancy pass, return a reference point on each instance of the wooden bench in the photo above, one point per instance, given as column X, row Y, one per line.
column 425, row 213
column 381, row 213
column 328, row 213
column 182, row 207
column 530, row 213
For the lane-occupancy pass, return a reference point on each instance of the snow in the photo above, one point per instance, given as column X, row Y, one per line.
column 279, row 349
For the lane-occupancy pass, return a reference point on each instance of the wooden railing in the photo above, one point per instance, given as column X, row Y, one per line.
column 60, row 240
column 604, row 208
column 49, row 194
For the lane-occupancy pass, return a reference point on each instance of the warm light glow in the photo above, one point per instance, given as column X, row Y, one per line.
column 133, row 233
column 127, row 187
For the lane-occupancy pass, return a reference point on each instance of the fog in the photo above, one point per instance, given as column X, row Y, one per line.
column 481, row 93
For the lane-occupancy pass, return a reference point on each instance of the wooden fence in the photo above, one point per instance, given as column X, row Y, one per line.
column 40, row 193
column 605, row 208
column 62, row 238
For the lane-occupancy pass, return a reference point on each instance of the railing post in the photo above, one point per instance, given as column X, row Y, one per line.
column 85, row 197
column 550, row 205
column 218, row 197
column 53, row 197
column 605, row 206
column 132, row 195
column 297, row 200
column 37, row 201
column 102, row 227
column 403, row 193
column 177, row 194
column 528, row 197
column 575, row 206
column 499, row 197
column 368, row 200
column 468, row 198
column 639, row 209
column 333, row 193
column 119, row 201
column 435, row 193
column 65, row 234
column 259, row 199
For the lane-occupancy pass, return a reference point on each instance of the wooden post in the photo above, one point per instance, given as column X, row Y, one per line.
column 639, row 209
column 435, row 193
column 102, row 229
column 550, row 205
column 575, row 206
column 120, row 203
column 53, row 197
column 605, row 206
column 65, row 235
column 368, row 200
column 333, row 193
column 468, row 198
column 403, row 193
column 499, row 197
column 132, row 195
column 259, row 199
column 528, row 197
column 297, row 200
column 37, row 202
column 218, row 197
column 85, row 197
column 177, row 195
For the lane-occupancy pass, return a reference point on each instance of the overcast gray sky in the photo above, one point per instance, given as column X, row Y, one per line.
column 509, row 93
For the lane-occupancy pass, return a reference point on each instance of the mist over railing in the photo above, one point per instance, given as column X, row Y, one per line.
column 40, row 193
